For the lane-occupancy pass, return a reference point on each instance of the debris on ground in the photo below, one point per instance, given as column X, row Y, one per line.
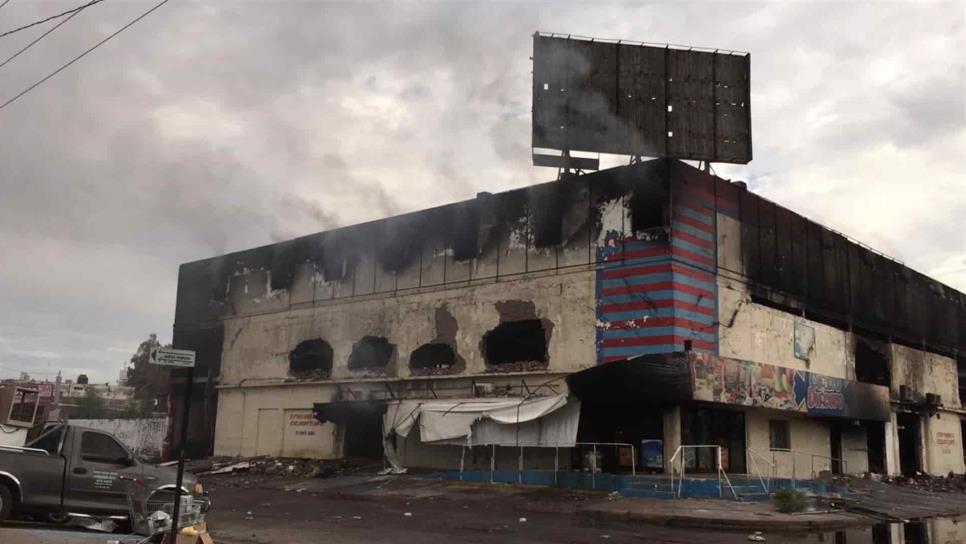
column 281, row 466
column 92, row 524
column 756, row 537
column 228, row 469
column 951, row 483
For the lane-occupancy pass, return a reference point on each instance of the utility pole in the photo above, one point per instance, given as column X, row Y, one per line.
column 57, row 384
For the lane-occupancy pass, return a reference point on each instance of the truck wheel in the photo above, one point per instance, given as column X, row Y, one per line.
column 6, row 502
column 58, row 517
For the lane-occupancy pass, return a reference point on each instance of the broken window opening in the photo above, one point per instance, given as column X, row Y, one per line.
column 371, row 353
column 433, row 356
column 310, row 359
column 871, row 366
column 648, row 209
column 522, row 341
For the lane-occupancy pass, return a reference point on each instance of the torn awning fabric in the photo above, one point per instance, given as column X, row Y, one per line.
column 532, row 422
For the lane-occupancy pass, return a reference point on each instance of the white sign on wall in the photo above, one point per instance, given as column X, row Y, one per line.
column 184, row 358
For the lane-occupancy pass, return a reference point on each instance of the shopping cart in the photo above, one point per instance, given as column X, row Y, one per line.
column 151, row 509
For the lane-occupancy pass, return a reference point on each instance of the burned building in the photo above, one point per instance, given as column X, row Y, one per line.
column 651, row 303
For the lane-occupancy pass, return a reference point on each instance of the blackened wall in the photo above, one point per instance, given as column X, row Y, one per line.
column 800, row 266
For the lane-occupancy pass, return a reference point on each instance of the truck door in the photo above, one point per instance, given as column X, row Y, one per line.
column 92, row 479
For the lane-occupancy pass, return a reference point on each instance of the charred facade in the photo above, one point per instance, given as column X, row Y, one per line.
column 680, row 280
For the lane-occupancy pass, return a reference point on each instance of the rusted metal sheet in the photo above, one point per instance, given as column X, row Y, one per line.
column 641, row 100
column 630, row 99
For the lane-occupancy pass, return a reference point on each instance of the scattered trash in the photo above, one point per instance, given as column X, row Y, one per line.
column 249, row 516
column 605, row 537
column 408, row 514
column 756, row 537
column 356, row 517
column 951, row 483
column 228, row 469
column 158, row 522
column 523, row 520
column 102, row 525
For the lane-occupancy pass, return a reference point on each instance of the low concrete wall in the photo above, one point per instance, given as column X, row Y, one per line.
column 144, row 436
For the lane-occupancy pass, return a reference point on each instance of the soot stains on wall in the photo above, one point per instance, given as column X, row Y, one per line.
column 871, row 362
column 542, row 216
column 800, row 265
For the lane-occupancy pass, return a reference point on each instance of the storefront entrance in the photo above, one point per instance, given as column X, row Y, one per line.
column 714, row 426
column 910, row 439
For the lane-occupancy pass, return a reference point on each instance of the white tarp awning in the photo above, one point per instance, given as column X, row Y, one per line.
column 533, row 422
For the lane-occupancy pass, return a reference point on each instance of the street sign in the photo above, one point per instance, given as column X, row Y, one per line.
column 184, row 358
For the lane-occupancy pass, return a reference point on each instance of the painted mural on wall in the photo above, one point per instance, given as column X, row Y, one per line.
column 746, row 383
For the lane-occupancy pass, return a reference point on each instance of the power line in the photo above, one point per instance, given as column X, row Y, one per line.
column 51, row 18
column 82, row 55
column 4, row 3
column 42, row 36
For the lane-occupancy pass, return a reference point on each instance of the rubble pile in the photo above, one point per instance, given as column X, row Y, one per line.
column 279, row 466
column 952, row 483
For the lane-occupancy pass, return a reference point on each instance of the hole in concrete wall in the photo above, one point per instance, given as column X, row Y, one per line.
column 871, row 365
column 311, row 359
column 371, row 353
column 522, row 341
column 432, row 357
column 439, row 355
column 648, row 208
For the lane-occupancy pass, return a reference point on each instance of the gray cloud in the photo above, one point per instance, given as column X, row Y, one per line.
column 217, row 126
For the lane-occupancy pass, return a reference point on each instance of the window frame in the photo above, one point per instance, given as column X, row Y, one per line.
column 95, row 458
column 785, row 432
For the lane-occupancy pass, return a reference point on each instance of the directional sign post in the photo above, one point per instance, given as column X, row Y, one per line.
column 177, row 358
column 183, row 358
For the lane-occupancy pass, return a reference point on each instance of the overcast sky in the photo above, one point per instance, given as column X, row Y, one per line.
column 217, row 126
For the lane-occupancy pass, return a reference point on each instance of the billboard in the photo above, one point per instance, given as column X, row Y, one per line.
column 643, row 100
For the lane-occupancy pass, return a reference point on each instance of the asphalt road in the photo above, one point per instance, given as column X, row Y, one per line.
column 249, row 511
column 261, row 516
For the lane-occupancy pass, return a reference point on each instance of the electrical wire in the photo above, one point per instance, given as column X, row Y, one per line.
column 42, row 36
column 51, row 18
column 82, row 55
column 4, row 3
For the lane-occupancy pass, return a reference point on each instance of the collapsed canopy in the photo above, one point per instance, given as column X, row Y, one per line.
column 534, row 422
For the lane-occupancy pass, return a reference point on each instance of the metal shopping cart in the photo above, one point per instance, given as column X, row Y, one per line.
column 151, row 509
